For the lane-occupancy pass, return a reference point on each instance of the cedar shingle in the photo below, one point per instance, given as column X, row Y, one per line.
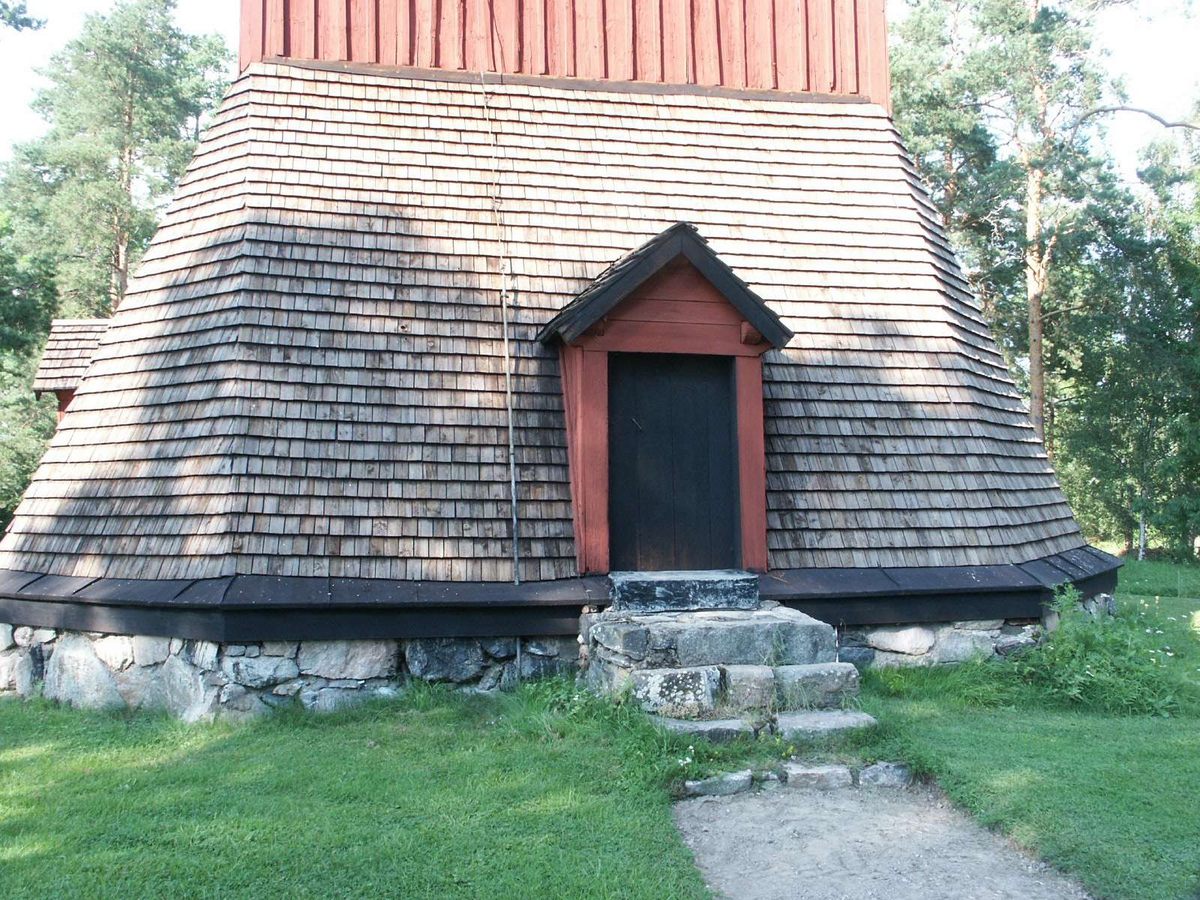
column 307, row 374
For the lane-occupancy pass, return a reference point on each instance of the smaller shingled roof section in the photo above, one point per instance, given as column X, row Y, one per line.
column 629, row 272
column 68, row 351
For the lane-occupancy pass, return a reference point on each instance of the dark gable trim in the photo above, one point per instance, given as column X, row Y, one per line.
column 628, row 274
column 255, row 608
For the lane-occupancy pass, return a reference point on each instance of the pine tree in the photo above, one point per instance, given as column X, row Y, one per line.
column 16, row 16
column 124, row 105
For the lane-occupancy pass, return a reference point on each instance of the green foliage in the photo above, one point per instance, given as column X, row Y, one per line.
column 26, row 426
column 986, row 92
column 27, row 300
column 995, row 101
column 27, row 296
column 1117, row 664
column 14, row 15
column 124, row 104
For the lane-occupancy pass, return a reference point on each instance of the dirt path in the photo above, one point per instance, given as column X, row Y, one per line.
column 857, row 844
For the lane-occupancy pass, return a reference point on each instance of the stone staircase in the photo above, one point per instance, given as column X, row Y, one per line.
column 707, row 656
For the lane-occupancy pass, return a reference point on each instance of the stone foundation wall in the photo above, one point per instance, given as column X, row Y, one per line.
column 200, row 680
column 929, row 645
column 950, row 642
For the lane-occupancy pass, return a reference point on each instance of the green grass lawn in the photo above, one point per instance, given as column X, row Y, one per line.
column 1114, row 800
column 1154, row 578
column 544, row 793
column 435, row 795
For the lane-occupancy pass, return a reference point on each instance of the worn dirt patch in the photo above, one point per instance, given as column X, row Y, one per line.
column 857, row 844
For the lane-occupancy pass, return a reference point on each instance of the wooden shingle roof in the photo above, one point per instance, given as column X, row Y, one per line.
column 306, row 378
column 68, row 351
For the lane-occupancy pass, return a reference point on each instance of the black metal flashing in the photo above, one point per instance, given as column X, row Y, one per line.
column 627, row 274
column 253, row 607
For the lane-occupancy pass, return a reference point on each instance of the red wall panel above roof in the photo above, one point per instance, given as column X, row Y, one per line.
column 818, row 46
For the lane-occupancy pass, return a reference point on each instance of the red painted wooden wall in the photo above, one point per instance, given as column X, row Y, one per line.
column 822, row 46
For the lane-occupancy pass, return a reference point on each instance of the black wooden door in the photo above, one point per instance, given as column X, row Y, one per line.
column 671, row 463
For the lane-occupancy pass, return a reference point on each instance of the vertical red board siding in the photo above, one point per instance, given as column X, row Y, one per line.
column 647, row 51
column 706, row 38
column 760, row 43
column 589, row 39
column 362, row 27
column 752, row 461
column 845, row 41
column 389, row 32
column 506, row 34
column 252, row 32
column 731, row 17
column 274, row 24
column 478, row 36
column 874, row 74
column 824, row 46
column 791, row 45
column 820, row 46
column 618, row 39
column 560, row 37
column 425, row 19
column 677, row 41
column 533, row 40
column 302, row 29
column 450, row 34
column 332, row 40
column 394, row 33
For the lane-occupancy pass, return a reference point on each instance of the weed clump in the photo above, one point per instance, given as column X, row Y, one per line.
column 1111, row 663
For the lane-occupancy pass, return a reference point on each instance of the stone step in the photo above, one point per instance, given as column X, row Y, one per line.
column 775, row 636
column 822, row 723
column 793, row 726
column 796, row 687
column 719, row 731
column 817, row 686
column 652, row 592
column 690, row 693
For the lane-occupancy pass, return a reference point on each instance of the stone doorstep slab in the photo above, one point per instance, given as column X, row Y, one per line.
column 772, row 637
column 683, row 591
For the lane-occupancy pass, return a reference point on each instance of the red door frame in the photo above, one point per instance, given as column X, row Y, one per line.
column 584, row 366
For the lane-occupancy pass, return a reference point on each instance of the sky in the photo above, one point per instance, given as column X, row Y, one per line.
column 1152, row 46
